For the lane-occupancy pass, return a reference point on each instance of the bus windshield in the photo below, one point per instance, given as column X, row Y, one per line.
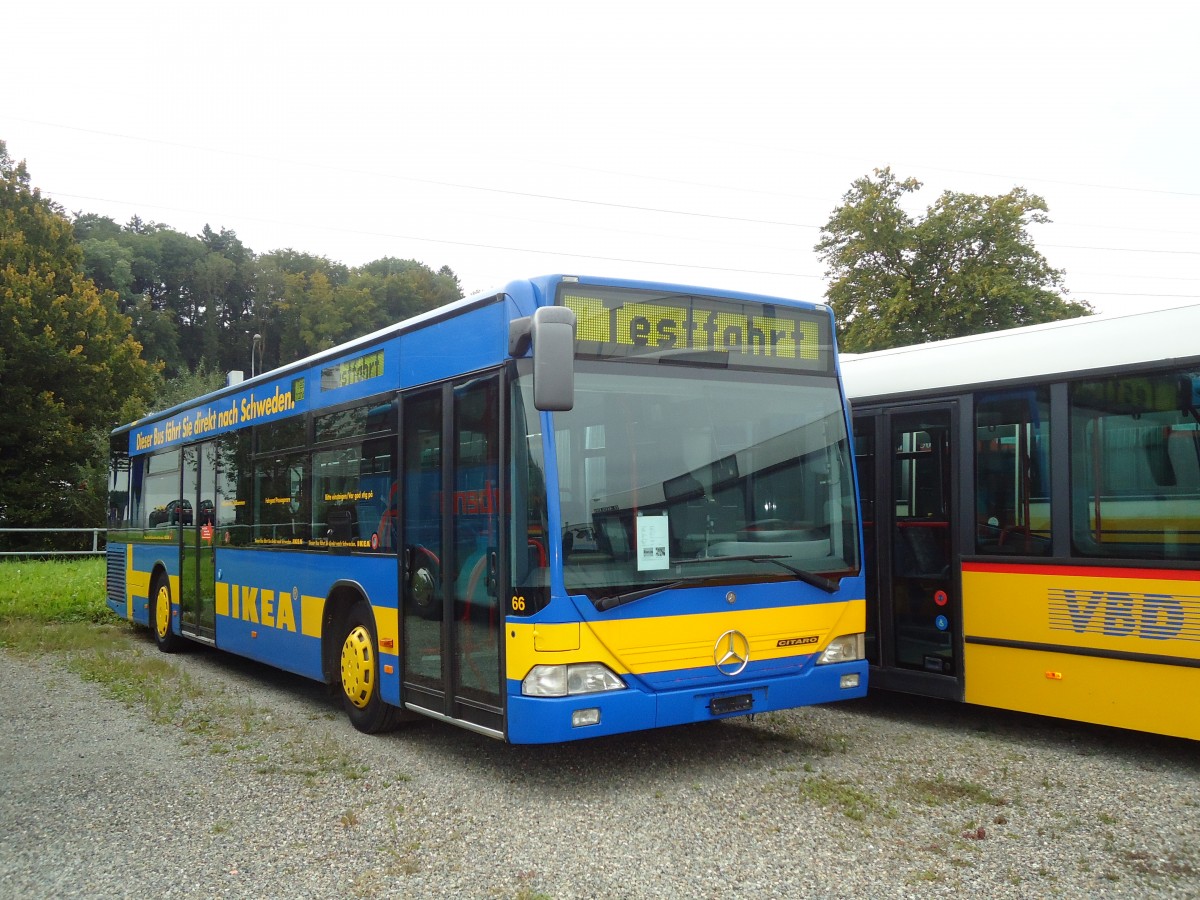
column 671, row 476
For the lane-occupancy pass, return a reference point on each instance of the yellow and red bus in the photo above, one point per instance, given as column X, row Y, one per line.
column 1031, row 517
column 565, row 508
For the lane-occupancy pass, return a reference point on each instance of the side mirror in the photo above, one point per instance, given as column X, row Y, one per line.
column 551, row 329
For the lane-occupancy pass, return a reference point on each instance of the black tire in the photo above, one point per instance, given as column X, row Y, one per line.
column 360, row 668
column 160, row 616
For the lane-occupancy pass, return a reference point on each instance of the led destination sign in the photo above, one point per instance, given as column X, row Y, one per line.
column 352, row 371
column 613, row 323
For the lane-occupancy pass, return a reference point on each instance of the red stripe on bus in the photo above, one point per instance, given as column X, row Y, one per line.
column 1080, row 571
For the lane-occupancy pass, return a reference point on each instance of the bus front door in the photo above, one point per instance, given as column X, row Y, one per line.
column 907, row 470
column 197, row 573
column 452, row 620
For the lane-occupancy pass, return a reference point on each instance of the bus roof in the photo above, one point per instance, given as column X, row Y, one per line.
column 1099, row 343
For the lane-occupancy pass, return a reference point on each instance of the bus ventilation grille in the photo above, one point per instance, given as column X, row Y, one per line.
column 115, row 581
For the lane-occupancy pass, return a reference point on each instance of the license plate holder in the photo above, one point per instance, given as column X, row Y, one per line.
column 721, row 706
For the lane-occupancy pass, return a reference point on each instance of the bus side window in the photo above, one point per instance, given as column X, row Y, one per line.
column 1135, row 467
column 1012, row 472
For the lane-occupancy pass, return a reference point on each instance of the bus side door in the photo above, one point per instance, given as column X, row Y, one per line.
column 907, row 466
column 197, row 572
column 452, row 620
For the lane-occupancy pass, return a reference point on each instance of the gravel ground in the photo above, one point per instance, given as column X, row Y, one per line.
column 258, row 787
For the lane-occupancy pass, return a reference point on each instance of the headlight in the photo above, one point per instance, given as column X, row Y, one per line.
column 846, row 648
column 576, row 678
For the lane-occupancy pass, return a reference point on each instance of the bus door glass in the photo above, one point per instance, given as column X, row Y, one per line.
column 923, row 603
column 198, row 518
column 475, row 526
column 864, row 461
column 422, row 553
column 451, row 528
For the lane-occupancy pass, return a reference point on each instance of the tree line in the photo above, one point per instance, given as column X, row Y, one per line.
column 196, row 302
column 101, row 322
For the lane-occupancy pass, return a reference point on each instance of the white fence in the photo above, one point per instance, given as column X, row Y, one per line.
column 96, row 533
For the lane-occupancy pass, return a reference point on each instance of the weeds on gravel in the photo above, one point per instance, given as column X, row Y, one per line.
column 526, row 891
column 795, row 728
column 852, row 801
column 941, row 791
column 138, row 679
column 314, row 758
column 1171, row 865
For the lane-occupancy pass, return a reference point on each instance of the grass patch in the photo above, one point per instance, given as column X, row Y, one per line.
column 45, row 591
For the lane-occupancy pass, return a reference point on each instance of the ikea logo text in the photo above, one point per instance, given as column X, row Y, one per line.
column 262, row 606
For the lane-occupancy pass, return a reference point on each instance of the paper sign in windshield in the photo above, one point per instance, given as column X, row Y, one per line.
column 652, row 533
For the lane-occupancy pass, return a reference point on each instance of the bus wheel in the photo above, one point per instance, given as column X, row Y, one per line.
column 360, row 668
column 160, row 616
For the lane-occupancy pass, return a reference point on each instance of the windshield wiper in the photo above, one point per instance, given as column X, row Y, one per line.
column 607, row 603
column 815, row 580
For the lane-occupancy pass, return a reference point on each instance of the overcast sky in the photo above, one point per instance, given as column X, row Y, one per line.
column 698, row 142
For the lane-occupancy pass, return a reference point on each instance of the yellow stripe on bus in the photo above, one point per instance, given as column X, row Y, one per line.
column 669, row 643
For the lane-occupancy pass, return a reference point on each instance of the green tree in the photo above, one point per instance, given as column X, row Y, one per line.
column 322, row 313
column 69, row 367
column 968, row 267
column 281, row 281
column 403, row 288
column 187, row 296
column 155, row 330
column 186, row 386
column 227, row 278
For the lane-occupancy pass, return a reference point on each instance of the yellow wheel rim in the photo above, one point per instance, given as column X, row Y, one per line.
column 358, row 666
column 162, row 611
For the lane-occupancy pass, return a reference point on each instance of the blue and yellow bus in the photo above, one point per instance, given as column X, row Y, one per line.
column 571, row 507
column 1031, row 512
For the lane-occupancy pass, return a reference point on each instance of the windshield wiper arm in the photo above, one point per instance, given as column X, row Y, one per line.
column 612, row 602
column 607, row 603
column 812, row 578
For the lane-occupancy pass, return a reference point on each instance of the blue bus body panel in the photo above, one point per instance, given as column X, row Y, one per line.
column 537, row 720
column 450, row 348
column 270, row 606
